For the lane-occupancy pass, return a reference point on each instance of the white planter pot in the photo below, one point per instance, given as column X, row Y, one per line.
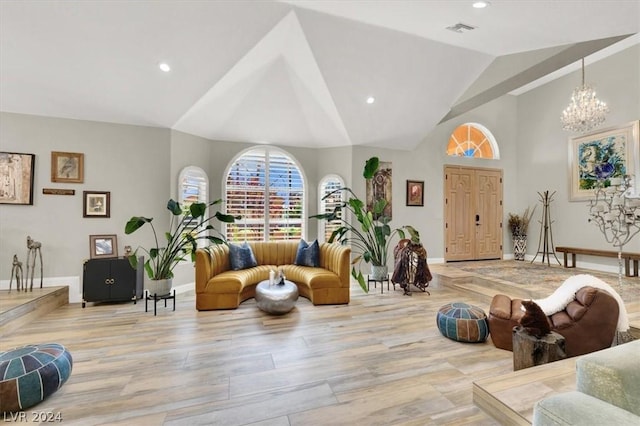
column 379, row 273
column 158, row 287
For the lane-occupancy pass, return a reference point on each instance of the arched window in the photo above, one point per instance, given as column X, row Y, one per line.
column 328, row 184
column 193, row 187
column 473, row 140
column 266, row 187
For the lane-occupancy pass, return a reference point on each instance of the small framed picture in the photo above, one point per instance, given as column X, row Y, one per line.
column 67, row 167
column 103, row 246
column 415, row 193
column 96, row 204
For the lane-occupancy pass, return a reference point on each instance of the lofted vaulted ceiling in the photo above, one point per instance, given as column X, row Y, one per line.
column 291, row 73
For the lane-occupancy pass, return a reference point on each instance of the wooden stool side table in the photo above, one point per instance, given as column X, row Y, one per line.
column 529, row 351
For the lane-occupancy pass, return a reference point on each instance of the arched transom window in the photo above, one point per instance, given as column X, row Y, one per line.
column 473, row 140
column 266, row 187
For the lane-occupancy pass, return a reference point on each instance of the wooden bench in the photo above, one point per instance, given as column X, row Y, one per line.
column 630, row 259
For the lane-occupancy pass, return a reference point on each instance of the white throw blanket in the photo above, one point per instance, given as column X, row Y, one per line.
column 566, row 293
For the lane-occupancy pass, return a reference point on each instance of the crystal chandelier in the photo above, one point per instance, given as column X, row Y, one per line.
column 585, row 110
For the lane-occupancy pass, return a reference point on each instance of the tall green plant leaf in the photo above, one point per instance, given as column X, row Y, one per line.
column 135, row 223
column 174, row 207
column 226, row 218
column 357, row 274
column 371, row 167
column 197, row 209
column 378, row 207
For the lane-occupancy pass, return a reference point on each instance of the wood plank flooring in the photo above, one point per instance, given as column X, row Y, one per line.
column 378, row 360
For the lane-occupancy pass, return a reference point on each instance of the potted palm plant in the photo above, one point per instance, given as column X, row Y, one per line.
column 370, row 236
column 187, row 226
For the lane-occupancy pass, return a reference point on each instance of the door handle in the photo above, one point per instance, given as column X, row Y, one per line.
column 477, row 220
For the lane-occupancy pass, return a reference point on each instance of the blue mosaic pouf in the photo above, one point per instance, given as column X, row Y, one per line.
column 31, row 373
column 462, row 322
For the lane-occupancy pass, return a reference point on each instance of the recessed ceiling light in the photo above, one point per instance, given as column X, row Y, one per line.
column 371, row 100
column 164, row 67
column 480, row 4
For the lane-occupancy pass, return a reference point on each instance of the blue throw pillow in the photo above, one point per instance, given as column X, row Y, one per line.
column 241, row 257
column 308, row 254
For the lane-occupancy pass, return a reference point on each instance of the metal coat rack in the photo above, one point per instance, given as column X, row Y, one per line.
column 546, row 234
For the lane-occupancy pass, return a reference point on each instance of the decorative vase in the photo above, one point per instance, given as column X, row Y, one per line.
column 158, row 287
column 379, row 273
column 519, row 246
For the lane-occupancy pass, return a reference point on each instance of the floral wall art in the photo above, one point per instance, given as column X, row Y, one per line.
column 602, row 155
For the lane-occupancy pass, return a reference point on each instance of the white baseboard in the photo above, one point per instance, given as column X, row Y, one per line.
column 184, row 288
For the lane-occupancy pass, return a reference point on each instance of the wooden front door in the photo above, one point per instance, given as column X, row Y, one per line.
column 473, row 213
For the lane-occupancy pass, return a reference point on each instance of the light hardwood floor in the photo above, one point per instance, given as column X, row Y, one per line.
column 378, row 361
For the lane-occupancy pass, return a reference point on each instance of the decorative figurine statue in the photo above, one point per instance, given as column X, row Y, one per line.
column 16, row 271
column 34, row 250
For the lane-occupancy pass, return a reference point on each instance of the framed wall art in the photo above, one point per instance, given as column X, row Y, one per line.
column 601, row 155
column 415, row 193
column 67, row 167
column 96, row 204
column 16, row 178
column 380, row 188
column 103, row 246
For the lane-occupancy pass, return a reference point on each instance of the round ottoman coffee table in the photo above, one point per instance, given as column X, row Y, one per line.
column 462, row 322
column 31, row 373
column 276, row 299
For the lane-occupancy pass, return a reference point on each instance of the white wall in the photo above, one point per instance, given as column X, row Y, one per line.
column 427, row 163
column 543, row 147
column 132, row 162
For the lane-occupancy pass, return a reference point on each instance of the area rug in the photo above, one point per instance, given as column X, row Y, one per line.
column 549, row 277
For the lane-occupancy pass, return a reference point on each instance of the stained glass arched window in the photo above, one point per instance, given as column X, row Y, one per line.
column 473, row 140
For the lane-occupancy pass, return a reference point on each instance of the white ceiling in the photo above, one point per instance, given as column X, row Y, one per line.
column 293, row 72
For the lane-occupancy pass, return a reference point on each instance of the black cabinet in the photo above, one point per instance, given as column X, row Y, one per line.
column 110, row 280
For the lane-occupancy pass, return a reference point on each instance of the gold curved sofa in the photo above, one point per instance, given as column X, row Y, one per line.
column 220, row 287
